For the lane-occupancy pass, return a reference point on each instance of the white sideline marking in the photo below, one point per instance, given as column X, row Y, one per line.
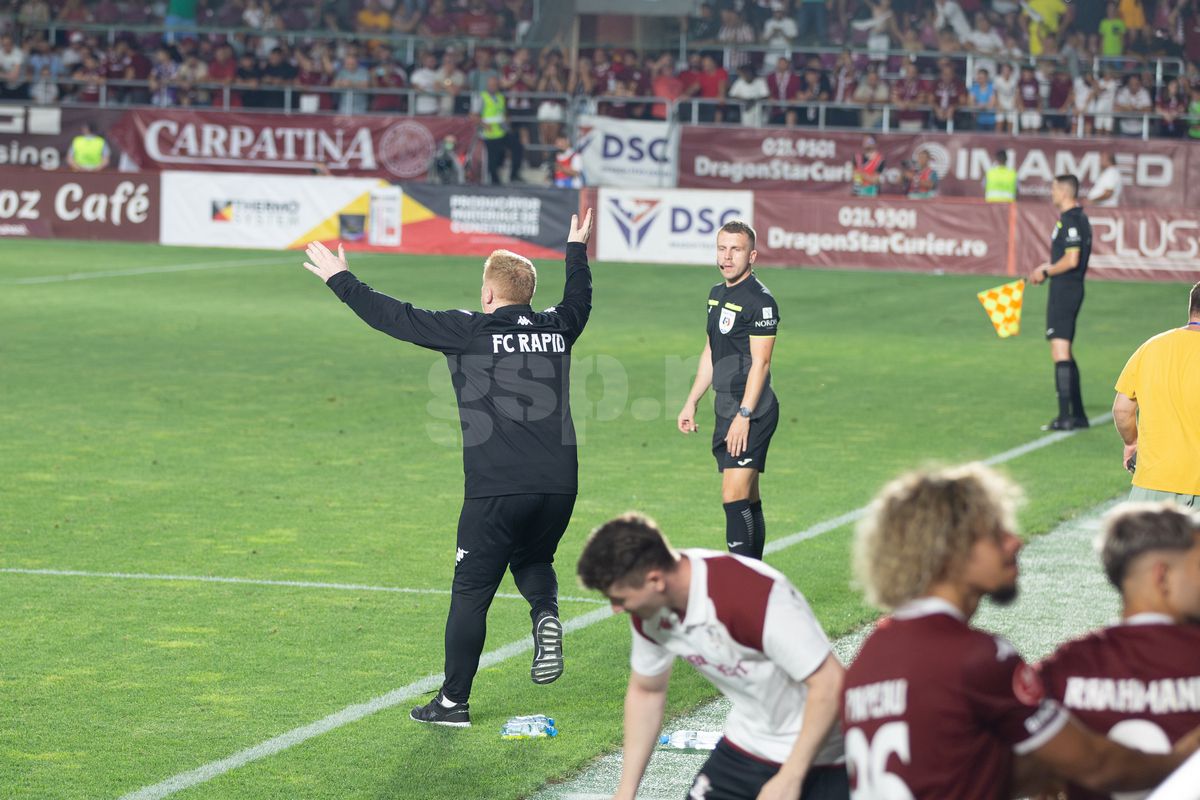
column 395, row 697
column 337, row 719
column 121, row 273
column 858, row 513
column 351, row 587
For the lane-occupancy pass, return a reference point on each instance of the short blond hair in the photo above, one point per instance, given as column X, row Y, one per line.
column 922, row 525
column 511, row 276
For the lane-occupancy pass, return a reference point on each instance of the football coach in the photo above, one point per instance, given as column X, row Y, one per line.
column 511, row 370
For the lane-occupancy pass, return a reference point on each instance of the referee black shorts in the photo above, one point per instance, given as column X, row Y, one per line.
column 755, row 455
column 1062, row 307
column 730, row 774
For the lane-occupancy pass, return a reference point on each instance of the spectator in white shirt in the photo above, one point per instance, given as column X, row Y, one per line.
column 425, row 80
column 985, row 41
column 1133, row 99
column 779, row 32
column 12, row 67
column 951, row 13
column 1106, row 191
column 751, row 89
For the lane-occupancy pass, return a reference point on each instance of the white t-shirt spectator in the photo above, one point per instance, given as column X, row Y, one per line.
column 1132, row 102
column 424, row 79
column 987, row 45
column 779, row 33
column 1006, row 91
column 1109, row 180
column 12, row 64
column 951, row 13
column 752, row 92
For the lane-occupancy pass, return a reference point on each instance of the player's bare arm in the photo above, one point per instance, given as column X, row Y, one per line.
column 1124, row 413
column 1068, row 262
column 645, row 700
column 821, row 709
column 323, row 263
column 1100, row 764
column 761, row 348
column 580, row 233
column 686, row 422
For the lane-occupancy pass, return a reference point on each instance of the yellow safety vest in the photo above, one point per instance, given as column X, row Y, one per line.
column 1000, row 184
column 88, row 151
column 494, row 108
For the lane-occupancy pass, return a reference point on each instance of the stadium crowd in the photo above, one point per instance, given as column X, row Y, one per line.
column 995, row 65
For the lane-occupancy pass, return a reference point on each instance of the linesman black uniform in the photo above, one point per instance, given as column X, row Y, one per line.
column 735, row 315
column 1071, row 232
column 511, row 376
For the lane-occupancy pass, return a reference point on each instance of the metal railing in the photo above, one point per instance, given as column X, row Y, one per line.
column 524, row 108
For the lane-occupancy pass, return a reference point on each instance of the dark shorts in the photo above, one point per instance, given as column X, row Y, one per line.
column 1062, row 308
column 755, row 456
column 730, row 774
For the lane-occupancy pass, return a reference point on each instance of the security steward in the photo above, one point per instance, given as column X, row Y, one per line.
column 1000, row 181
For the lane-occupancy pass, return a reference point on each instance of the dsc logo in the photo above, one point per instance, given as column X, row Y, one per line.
column 634, row 148
column 701, row 220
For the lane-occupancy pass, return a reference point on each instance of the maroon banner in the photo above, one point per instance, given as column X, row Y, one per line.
column 918, row 235
column 1141, row 244
column 1156, row 173
column 386, row 147
column 110, row 206
column 39, row 136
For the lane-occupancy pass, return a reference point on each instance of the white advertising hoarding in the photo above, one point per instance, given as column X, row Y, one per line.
column 667, row 226
column 621, row 152
column 275, row 211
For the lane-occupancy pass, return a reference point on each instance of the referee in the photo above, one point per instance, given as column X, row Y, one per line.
column 742, row 320
column 511, row 370
column 1070, row 248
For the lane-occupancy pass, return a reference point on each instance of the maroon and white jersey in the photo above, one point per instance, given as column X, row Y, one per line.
column 937, row 710
column 1030, row 92
column 1137, row 682
column 752, row 634
column 946, row 94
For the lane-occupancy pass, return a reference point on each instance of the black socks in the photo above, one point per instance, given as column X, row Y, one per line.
column 745, row 531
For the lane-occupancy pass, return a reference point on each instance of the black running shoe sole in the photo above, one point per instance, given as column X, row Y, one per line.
column 547, row 651
column 439, row 722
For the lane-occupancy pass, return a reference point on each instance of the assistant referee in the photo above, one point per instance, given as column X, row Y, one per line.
column 743, row 318
column 511, row 374
column 1070, row 249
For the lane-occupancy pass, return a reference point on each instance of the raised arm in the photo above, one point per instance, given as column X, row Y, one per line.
column 576, row 304
column 444, row 331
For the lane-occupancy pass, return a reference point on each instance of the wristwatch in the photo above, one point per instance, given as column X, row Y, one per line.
column 744, row 412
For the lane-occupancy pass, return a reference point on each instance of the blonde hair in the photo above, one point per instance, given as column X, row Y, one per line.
column 922, row 525
column 511, row 276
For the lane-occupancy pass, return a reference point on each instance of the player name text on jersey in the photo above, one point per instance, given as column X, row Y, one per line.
column 1130, row 695
column 877, row 700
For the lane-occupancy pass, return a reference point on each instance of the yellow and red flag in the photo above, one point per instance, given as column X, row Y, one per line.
column 1003, row 307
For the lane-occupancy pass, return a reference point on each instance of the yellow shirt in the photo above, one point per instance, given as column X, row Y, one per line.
column 1133, row 14
column 373, row 21
column 1163, row 376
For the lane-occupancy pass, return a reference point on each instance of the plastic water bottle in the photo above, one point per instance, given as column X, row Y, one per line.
column 690, row 740
column 535, row 726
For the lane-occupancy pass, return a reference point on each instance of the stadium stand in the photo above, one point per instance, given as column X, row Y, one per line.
column 1130, row 70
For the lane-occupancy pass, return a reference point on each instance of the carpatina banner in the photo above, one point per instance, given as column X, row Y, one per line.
column 383, row 147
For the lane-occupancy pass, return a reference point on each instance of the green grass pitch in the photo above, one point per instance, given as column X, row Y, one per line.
column 238, row 421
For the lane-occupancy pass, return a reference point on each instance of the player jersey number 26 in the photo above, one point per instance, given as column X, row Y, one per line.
column 868, row 761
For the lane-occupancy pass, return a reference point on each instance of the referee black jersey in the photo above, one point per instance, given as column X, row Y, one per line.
column 735, row 314
column 1071, row 232
column 511, row 374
